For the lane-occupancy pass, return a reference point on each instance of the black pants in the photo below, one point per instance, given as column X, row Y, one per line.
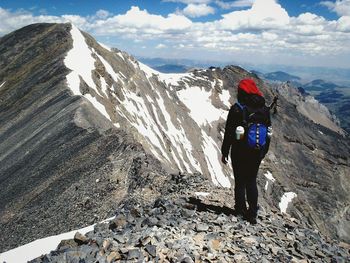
column 245, row 169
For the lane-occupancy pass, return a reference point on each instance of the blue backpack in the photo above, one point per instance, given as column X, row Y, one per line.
column 255, row 123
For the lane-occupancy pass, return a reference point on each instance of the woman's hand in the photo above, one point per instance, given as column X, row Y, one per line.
column 224, row 159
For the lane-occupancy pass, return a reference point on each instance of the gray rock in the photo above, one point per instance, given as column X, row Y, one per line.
column 134, row 254
column 152, row 250
column 200, row 227
column 80, row 238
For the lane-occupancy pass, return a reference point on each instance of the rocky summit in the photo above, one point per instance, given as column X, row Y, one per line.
column 86, row 130
column 182, row 226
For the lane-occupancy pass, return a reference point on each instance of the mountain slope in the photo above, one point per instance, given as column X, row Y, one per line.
column 55, row 146
column 83, row 126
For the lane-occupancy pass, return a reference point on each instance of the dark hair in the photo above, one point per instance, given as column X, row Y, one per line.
column 242, row 96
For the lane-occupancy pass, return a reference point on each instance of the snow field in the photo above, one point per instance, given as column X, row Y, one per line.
column 79, row 59
column 211, row 153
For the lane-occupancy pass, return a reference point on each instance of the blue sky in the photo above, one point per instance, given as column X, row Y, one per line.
column 294, row 32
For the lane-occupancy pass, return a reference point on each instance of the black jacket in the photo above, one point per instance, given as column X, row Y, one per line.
column 234, row 119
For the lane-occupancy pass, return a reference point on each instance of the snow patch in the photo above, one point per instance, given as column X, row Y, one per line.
column 225, row 98
column 178, row 137
column 211, row 153
column 197, row 100
column 104, row 87
column 269, row 178
column 321, row 132
column 2, row 84
column 148, row 71
column 285, row 200
column 99, row 106
column 109, row 69
column 120, row 55
column 168, row 78
column 79, row 59
column 202, row 194
column 142, row 120
column 41, row 246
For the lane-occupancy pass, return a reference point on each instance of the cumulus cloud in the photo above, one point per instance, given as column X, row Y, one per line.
column 343, row 24
column 264, row 14
column 341, row 7
column 193, row 10
column 141, row 19
column 234, row 4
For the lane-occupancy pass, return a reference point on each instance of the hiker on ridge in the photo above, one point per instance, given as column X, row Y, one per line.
column 247, row 133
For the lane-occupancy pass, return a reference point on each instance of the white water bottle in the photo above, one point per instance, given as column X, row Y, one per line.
column 239, row 133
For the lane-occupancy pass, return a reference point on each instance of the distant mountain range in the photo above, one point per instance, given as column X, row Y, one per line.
column 169, row 68
column 281, row 76
column 337, row 75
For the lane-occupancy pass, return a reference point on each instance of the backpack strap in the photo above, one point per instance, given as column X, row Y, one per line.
column 244, row 112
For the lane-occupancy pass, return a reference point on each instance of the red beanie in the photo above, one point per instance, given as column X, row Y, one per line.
column 249, row 87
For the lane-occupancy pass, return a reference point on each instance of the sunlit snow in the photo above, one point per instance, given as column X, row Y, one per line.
column 41, row 246
column 198, row 101
column 285, row 200
column 79, row 59
column 211, row 153
column 168, row 78
column 110, row 70
column 269, row 178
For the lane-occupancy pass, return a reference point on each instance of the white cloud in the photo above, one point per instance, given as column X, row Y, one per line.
column 234, row 4
column 343, row 24
column 141, row 19
column 198, row 10
column 264, row 14
column 160, row 46
column 341, row 7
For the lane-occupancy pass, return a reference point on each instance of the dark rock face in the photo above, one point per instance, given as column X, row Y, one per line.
column 67, row 161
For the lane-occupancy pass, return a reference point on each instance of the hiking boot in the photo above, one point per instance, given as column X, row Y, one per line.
column 251, row 220
column 250, row 216
column 239, row 212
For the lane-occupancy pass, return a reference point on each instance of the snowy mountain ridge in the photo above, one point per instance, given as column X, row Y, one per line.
column 164, row 134
column 83, row 126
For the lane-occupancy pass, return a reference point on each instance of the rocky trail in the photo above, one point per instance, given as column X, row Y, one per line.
column 194, row 222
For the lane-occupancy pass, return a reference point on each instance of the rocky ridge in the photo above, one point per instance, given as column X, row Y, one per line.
column 188, row 226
